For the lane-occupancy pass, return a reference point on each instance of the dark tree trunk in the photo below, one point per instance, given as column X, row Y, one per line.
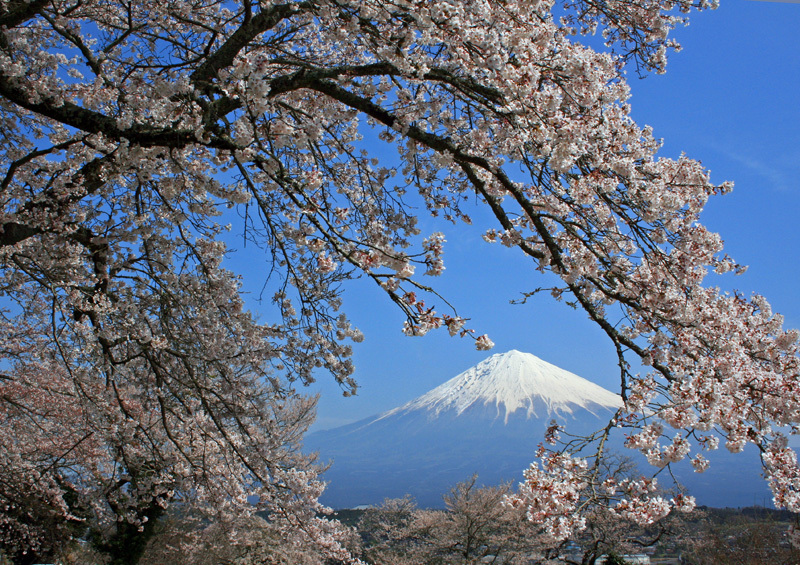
column 127, row 544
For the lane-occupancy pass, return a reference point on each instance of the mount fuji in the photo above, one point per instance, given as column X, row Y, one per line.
column 488, row 420
column 503, row 384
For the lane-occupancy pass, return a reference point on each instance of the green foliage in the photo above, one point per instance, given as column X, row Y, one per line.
column 612, row 558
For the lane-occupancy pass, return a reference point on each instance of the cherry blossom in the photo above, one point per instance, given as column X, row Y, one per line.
column 134, row 378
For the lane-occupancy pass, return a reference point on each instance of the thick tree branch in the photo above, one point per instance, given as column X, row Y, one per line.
column 251, row 28
column 18, row 12
column 13, row 233
column 306, row 75
column 90, row 178
column 89, row 121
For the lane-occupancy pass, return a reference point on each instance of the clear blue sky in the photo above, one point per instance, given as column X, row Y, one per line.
column 731, row 99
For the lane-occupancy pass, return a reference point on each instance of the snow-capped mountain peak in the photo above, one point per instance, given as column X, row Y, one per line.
column 512, row 381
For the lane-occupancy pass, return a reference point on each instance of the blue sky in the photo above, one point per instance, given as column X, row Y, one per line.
column 731, row 99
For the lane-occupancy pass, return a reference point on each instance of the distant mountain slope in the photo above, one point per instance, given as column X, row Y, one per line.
column 488, row 420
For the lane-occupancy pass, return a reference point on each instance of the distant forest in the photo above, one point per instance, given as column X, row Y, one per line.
column 752, row 535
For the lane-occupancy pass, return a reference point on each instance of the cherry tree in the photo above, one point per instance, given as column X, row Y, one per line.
column 135, row 135
column 246, row 540
column 475, row 527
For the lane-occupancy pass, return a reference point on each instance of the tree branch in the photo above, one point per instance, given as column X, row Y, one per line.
column 249, row 30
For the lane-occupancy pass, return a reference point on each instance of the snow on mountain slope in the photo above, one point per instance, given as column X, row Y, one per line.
column 514, row 381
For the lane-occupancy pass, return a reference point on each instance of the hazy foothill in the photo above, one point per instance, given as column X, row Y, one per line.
column 159, row 156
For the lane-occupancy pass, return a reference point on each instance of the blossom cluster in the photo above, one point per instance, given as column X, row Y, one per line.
column 551, row 494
